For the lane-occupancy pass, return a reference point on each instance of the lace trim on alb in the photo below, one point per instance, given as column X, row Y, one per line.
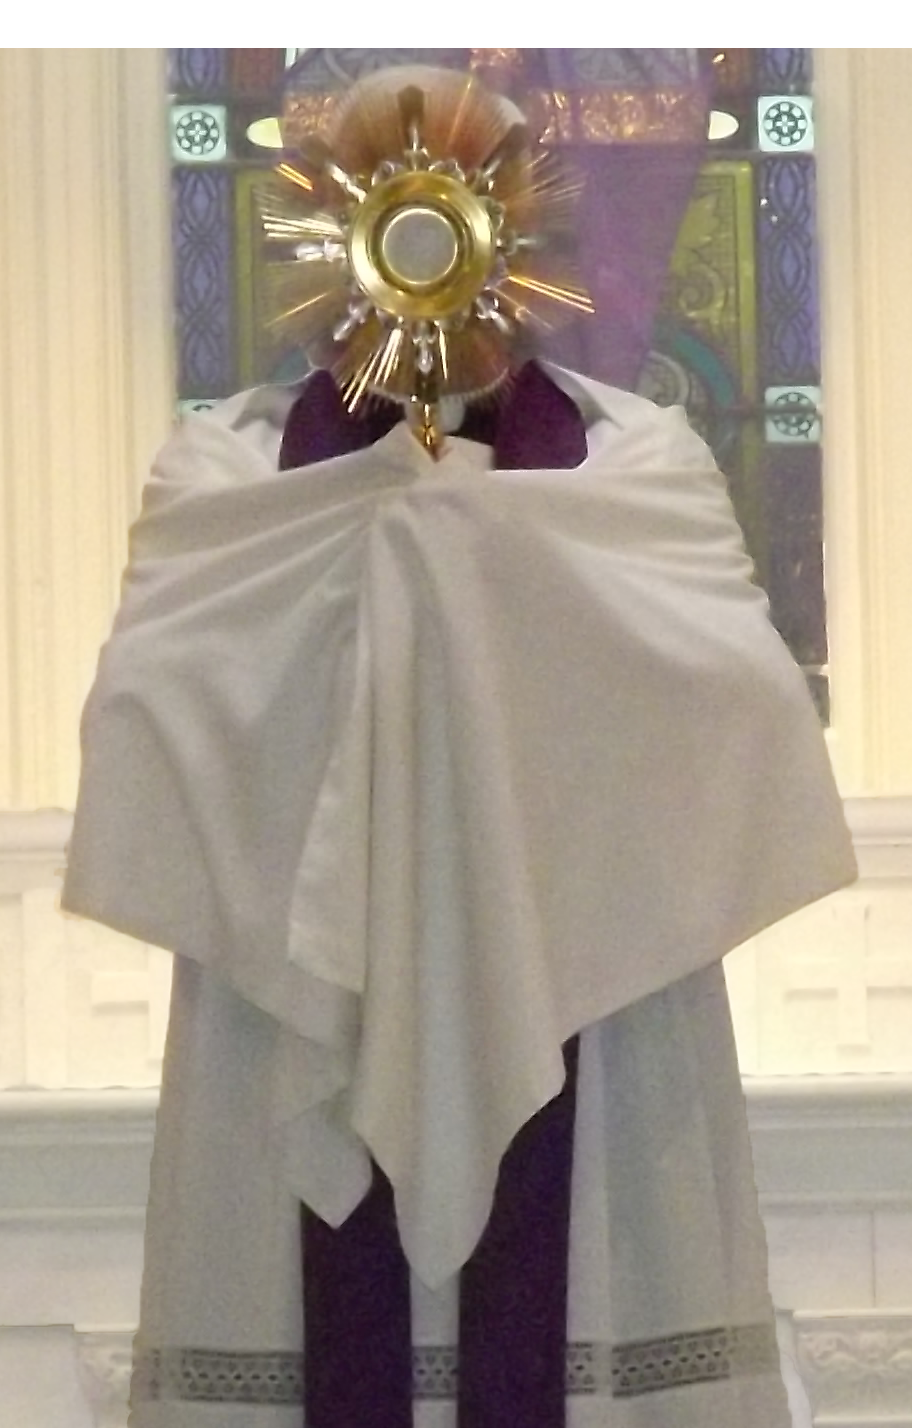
column 217, row 1376
column 435, row 1371
column 629, row 1370
column 621, row 1370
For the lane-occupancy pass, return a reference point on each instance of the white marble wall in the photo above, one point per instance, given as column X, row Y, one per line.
column 830, row 989
column 827, row 992
column 92, row 1006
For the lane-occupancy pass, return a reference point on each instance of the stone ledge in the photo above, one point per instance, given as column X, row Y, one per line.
column 818, row 1141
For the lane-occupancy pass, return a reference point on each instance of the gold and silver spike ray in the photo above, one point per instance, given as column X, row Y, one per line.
column 415, row 247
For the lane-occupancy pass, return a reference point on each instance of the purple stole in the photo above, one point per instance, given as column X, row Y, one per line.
column 513, row 1290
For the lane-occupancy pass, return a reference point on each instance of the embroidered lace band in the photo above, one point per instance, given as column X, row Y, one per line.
column 622, row 1370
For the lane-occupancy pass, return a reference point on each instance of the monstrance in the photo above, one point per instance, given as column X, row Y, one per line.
column 418, row 245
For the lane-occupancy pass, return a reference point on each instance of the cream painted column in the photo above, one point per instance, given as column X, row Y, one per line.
column 85, row 378
column 864, row 105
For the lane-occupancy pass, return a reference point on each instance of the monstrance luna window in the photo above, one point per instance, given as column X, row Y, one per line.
column 736, row 339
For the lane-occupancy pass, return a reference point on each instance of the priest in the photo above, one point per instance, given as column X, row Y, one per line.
column 448, row 745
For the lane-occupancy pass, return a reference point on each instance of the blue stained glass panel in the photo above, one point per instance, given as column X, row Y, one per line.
column 783, row 69
column 794, row 582
column 198, row 72
column 789, row 304
column 202, row 236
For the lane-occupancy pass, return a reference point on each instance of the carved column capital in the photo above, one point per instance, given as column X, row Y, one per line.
column 857, row 1367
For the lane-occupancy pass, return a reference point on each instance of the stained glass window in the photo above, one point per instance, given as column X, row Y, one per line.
column 736, row 340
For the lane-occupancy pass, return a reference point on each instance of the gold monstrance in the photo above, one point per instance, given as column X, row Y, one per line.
column 419, row 241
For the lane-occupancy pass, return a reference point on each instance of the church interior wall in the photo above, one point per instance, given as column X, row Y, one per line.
column 822, row 1004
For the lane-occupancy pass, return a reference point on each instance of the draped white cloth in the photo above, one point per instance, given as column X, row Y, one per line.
column 436, row 765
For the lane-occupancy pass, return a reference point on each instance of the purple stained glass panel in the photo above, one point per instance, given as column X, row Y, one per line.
column 202, row 238
column 789, row 304
column 197, row 72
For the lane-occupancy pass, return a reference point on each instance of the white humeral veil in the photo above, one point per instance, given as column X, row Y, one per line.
column 422, row 768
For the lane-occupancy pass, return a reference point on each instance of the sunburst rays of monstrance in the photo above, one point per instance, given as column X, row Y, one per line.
column 419, row 244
